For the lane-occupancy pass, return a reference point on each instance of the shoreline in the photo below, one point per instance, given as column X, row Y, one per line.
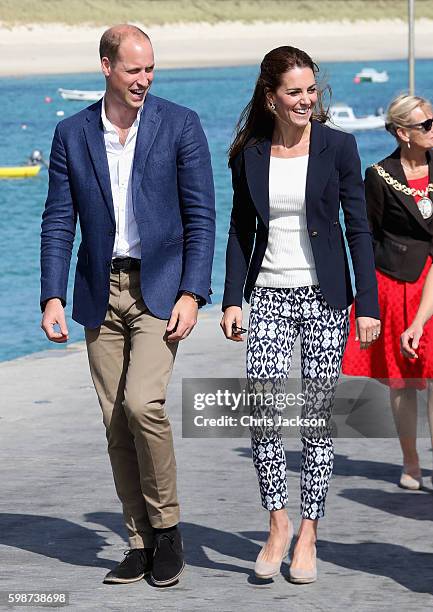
column 79, row 345
column 59, row 49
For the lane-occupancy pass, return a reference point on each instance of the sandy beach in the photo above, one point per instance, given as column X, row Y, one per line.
column 55, row 48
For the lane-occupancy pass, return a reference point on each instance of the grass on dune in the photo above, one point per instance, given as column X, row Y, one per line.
column 152, row 12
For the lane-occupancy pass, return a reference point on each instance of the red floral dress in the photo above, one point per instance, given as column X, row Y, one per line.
column 398, row 301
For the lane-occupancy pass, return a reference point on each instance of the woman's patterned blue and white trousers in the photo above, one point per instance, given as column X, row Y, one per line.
column 277, row 317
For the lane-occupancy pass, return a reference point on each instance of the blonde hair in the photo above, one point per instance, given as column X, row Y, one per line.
column 400, row 109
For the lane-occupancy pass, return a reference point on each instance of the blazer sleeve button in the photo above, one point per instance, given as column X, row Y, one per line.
column 314, row 234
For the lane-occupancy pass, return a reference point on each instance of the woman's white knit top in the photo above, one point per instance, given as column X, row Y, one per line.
column 288, row 261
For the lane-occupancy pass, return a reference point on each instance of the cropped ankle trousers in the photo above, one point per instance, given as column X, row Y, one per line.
column 277, row 318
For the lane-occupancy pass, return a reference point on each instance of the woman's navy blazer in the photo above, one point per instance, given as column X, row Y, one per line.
column 333, row 178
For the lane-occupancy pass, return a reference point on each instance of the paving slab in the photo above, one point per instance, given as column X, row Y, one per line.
column 61, row 526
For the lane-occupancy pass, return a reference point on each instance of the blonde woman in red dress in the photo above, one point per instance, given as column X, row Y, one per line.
column 399, row 192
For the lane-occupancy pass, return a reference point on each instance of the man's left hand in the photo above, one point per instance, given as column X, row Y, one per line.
column 183, row 318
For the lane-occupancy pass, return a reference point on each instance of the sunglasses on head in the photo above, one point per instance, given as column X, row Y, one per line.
column 424, row 125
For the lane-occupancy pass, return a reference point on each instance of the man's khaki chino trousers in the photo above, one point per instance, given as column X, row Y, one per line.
column 131, row 363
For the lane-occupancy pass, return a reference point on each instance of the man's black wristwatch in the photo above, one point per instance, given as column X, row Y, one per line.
column 196, row 298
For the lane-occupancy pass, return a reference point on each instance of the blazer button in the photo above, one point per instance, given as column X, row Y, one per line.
column 335, row 222
column 314, row 234
column 111, row 232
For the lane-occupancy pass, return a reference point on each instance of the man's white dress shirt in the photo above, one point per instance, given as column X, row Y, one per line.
column 120, row 160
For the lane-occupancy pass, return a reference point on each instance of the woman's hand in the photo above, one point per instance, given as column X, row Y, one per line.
column 409, row 340
column 232, row 315
column 367, row 331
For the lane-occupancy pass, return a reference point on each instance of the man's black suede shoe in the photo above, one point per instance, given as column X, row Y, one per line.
column 168, row 563
column 137, row 563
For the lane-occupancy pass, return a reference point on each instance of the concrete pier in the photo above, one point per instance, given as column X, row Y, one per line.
column 61, row 526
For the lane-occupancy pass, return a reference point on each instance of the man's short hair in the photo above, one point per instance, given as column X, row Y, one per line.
column 112, row 38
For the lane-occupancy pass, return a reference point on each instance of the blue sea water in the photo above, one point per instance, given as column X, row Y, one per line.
column 217, row 94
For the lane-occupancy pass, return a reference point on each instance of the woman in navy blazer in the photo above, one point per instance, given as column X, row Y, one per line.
column 286, row 254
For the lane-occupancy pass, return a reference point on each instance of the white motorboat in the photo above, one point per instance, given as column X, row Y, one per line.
column 371, row 75
column 343, row 118
column 80, row 95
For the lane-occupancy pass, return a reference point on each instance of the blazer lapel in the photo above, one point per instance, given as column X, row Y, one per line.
column 393, row 166
column 257, row 160
column 148, row 127
column 319, row 168
column 94, row 134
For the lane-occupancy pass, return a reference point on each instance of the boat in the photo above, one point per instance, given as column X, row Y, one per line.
column 343, row 118
column 81, row 95
column 371, row 75
column 18, row 171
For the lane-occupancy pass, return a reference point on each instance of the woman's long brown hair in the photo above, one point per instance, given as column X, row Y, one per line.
column 256, row 122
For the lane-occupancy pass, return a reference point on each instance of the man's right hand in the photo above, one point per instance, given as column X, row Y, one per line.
column 232, row 314
column 54, row 314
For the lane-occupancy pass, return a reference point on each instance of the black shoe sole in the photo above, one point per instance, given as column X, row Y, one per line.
column 125, row 580
column 167, row 582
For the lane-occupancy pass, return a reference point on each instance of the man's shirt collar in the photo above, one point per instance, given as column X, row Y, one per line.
column 109, row 127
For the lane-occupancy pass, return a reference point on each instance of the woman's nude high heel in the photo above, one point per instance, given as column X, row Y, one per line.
column 304, row 576
column 409, row 482
column 266, row 569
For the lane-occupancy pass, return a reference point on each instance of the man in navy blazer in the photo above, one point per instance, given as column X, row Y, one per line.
column 135, row 170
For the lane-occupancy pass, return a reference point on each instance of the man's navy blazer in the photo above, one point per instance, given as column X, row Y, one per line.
column 333, row 177
column 173, row 200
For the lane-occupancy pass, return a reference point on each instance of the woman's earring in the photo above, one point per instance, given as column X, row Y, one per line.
column 408, row 144
column 272, row 106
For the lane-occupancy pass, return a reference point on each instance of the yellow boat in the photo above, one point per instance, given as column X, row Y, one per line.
column 18, row 171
